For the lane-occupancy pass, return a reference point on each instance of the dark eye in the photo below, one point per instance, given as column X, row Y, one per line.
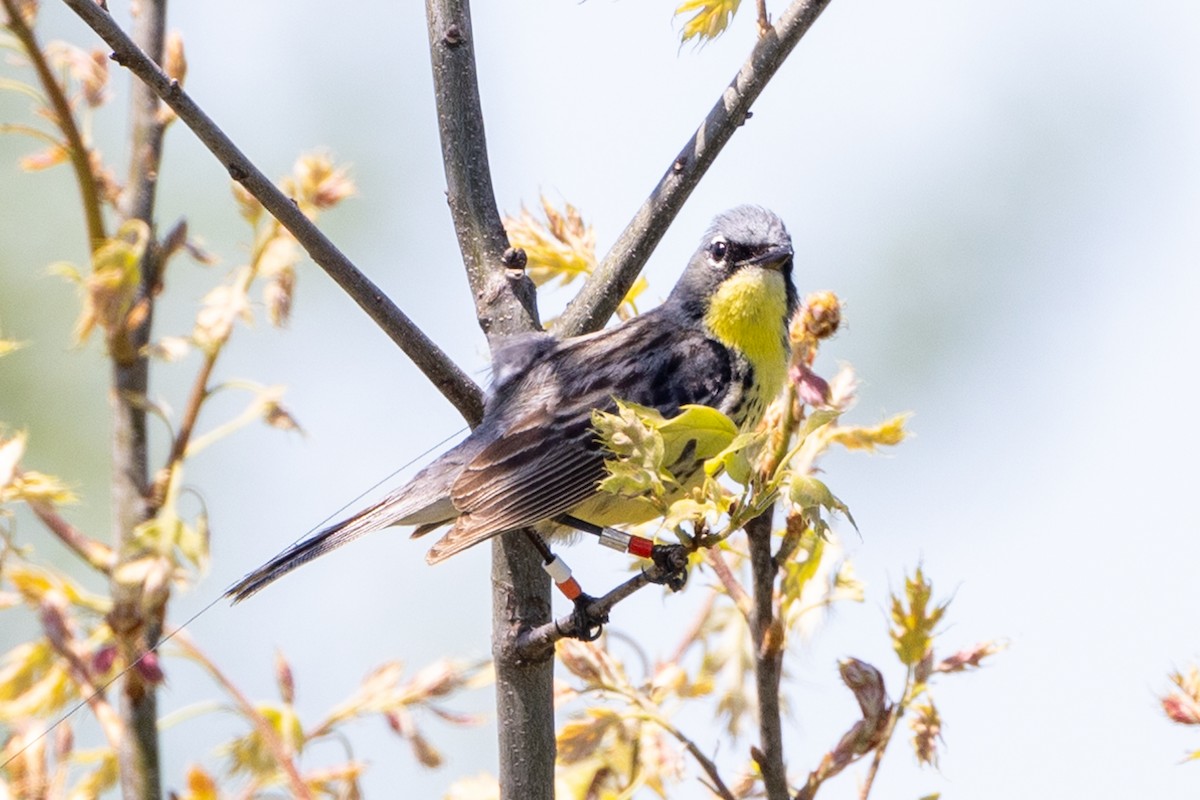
column 719, row 249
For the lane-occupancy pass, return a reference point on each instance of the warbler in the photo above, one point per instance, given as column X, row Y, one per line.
column 719, row 340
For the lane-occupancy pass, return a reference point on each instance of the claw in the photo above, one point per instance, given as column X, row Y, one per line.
column 584, row 625
column 671, row 561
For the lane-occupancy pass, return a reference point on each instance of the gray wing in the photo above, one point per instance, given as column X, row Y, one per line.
column 547, row 460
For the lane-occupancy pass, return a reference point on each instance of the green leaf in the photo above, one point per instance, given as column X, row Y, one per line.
column 811, row 495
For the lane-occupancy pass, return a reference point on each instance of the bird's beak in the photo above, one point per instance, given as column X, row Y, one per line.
column 776, row 258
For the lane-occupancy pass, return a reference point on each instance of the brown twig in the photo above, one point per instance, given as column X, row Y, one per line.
column 98, row 555
column 608, row 284
column 451, row 381
column 80, row 153
column 733, row 587
column 270, row 736
column 58, row 633
column 138, row 755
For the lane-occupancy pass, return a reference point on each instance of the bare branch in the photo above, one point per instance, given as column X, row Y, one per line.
column 504, row 296
column 605, row 288
column 766, row 637
column 451, row 381
column 504, row 304
column 138, row 753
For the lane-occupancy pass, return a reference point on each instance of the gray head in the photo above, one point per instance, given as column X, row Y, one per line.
column 740, row 237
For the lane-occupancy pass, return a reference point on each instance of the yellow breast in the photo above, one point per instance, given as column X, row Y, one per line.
column 747, row 313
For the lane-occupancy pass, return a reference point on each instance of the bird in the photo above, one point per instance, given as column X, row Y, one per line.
column 718, row 340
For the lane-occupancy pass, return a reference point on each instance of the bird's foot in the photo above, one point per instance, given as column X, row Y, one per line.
column 585, row 625
column 670, row 566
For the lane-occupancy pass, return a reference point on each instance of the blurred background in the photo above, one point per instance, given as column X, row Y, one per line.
column 1005, row 196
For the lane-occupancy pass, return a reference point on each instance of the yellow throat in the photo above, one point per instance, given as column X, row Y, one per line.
column 746, row 313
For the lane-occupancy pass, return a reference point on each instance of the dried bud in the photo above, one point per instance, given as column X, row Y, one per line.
column 103, row 659
column 284, row 679
column 811, row 388
column 821, row 315
column 1182, row 709
column 968, row 658
column 174, row 59
column 277, row 295
column 867, row 684
column 927, row 729
column 1184, row 706
column 580, row 659
column 149, row 667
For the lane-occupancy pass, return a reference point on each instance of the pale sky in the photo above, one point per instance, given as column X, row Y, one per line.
column 1005, row 195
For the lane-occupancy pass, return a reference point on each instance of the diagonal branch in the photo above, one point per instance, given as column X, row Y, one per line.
column 605, row 287
column 451, row 381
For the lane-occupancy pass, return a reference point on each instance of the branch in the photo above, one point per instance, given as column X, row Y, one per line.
column 141, row 620
column 270, row 735
column 505, row 301
column 98, row 555
column 767, row 639
column 607, row 285
column 535, row 643
column 429, row 358
column 79, row 152
column 504, row 304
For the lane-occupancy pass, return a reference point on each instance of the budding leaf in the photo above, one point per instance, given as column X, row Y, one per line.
column 709, row 18
column 914, row 619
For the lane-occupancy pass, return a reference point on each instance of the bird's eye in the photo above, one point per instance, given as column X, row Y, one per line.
column 719, row 249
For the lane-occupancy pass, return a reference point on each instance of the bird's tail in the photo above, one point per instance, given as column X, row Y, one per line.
column 424, row 502
column 333, row 537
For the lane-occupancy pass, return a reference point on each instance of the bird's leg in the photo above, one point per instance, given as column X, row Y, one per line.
column 585, row 625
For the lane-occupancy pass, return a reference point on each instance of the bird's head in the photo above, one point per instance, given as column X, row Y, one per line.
column 745, row 255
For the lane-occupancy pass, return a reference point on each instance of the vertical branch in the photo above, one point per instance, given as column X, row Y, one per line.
column 504, row 304
column 137, row 627
column 767, row 639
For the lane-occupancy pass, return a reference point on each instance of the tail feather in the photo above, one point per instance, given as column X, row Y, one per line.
column 425, row 501
column 299, row 554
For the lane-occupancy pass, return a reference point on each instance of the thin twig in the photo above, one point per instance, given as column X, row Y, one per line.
column 692, row 634
column 605, row 288
column 98, row 555
column 268, row 733
column 451, row 381
column 79, row 152
column 58, row 633
column 733, row 587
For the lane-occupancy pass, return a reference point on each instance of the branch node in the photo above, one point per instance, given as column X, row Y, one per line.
column 236, row 171
column 679, row 165
column 453, row 36
column 515, row 258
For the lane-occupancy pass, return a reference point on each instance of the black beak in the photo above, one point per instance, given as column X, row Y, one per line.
column 774, row 258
